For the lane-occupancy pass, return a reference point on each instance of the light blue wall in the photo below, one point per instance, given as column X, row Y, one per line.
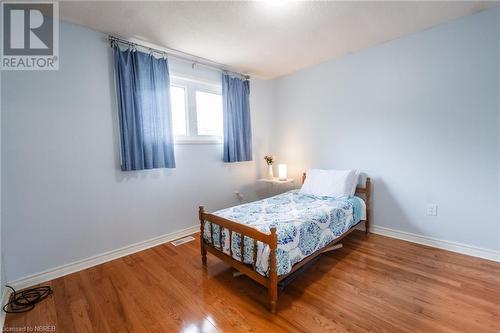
column 419, row 114
column 2, row 270
column 64, row 198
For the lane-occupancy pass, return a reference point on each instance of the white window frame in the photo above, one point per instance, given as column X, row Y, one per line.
column 190, row 86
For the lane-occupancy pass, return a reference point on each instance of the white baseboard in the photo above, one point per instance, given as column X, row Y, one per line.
column 76, row 266
column 79, row 265
column 3, row 301
column 438, row 243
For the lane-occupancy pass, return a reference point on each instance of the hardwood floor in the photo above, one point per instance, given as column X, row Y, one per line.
column 375, row 284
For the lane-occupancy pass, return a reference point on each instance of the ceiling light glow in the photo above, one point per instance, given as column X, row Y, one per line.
column 276, row 3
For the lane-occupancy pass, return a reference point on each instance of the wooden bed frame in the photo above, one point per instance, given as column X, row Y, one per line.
column 271, row 281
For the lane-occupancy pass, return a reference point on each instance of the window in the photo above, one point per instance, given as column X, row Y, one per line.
column 178, row 100
column 209, row 113
column 196, row 111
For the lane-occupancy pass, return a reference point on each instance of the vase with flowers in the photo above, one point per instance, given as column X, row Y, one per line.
column 270, row 161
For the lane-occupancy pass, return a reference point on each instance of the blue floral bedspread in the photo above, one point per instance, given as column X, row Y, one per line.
column 304, row 224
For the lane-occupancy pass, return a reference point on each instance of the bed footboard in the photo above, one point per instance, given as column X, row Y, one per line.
column 271, row 239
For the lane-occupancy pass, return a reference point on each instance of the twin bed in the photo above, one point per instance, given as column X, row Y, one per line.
column 281, row 234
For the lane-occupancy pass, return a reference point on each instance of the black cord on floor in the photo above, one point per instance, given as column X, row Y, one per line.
column 25, row 300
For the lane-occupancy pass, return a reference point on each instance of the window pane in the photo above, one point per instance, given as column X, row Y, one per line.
column 209, row 113
column 178, row 101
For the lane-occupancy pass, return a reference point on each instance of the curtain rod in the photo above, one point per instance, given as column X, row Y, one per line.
column 194, row 60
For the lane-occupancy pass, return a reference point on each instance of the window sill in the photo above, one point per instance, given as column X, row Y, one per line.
column 194, row 141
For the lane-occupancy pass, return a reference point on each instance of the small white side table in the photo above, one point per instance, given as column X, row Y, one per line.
column 276, row 186
column 276, row 181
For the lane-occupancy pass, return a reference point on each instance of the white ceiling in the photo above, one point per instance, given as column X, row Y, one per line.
column 266, row 39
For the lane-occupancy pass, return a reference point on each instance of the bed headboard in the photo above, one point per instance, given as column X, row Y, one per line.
column 363, row 191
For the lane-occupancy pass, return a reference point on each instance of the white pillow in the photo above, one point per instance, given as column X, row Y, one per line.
column 355, row 183
column 331, row 183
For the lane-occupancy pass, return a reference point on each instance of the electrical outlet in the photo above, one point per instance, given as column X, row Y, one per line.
column 239, row 196
column 432, row 209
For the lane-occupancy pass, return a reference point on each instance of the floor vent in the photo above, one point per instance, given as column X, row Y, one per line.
column 181, row 241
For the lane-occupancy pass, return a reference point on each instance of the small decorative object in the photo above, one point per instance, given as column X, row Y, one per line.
column 269, row 160
column 282, row 172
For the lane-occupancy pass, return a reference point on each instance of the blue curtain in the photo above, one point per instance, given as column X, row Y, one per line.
column 143, row 88
column 237, row 125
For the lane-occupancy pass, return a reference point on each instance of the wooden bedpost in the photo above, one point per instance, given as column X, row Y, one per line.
column 201, row 212
column 303, row 177
column 273, row 272
column 368, row 187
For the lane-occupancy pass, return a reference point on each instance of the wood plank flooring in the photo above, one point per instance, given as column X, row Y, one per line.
column 374, row 284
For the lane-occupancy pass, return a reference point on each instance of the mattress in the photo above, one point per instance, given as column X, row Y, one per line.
column 304, row 224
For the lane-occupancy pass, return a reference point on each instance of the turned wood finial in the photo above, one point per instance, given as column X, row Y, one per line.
column 273, row 271
column 274, row 238
column 368, row 190
column 368, row 187
column 201, row 212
